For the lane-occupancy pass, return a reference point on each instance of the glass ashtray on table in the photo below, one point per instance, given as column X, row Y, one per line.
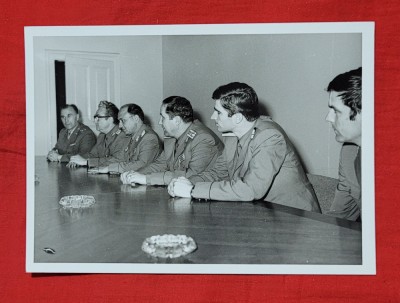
column 77, row 201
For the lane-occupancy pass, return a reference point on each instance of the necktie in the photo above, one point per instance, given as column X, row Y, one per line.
column 106, row 151
column 174, row 155
column 238, row 159
column 128, row 149
column 357, row 166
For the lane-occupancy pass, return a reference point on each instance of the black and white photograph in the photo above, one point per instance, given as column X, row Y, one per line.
column 204, row 149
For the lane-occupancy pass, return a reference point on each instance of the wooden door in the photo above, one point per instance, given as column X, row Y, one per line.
column 90, row 80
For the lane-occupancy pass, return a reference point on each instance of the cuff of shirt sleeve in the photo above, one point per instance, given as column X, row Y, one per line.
column 195, row 178
column 155, row 179
column 93, row 162
column 202, row 190
column 115, row 167
column 64, row 158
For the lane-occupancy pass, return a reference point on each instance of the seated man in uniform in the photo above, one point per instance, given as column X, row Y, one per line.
column 74, row 139
column 110, row 143
column 190, row 147
column 345, row 117
column 258, row 162
column 143, row 146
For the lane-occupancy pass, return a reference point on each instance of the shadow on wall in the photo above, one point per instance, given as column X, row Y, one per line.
column 80, row 116
column 265, row 112
column 263, row 108
column 197, row 116
column 146, row 120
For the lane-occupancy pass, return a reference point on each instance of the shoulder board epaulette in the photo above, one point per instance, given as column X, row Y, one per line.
column 191, row 134
column 141, row 135
column 83, row 128
column 253, row 132
column 117, row 132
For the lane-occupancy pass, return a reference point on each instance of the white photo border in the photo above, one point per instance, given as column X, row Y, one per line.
column 368, row 266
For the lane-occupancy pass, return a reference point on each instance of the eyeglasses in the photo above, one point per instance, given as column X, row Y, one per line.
column 96, row 117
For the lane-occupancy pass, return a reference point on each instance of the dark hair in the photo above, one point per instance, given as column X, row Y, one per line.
column 134, row 109
column 349, row 85
column 178, row 106
column 111, row 110
column 240, row 98
column 73, row 106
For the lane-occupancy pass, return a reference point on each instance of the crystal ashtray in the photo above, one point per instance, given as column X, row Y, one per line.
column 169, row 246
column 77, row 201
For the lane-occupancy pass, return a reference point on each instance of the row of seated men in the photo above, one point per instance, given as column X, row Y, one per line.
column 256, row 161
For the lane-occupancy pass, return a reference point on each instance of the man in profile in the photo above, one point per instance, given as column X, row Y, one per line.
column 345, row 117
column 258, row 162
column 189, row 148
column 74, row 139
column 110, row 143
column 143, row 146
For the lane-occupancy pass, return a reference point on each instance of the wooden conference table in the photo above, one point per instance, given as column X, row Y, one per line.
column 113, row 230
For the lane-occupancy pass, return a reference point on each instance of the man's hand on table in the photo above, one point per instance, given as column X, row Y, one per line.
column 77, row 160
column 53, row 156
column 180, row 187
column 132, row 177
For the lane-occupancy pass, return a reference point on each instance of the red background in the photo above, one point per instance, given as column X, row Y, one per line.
column 18, row 286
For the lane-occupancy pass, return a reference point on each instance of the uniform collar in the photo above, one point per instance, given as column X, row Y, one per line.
column 113, row 132
column 71, row 131
column 243, row 141
column 138, row 134
column 184, row 135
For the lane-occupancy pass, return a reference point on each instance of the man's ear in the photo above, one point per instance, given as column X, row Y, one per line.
column 177, row 120
column 238, row 118
column 359, row 116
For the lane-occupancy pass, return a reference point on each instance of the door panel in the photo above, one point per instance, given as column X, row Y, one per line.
column 88, row 81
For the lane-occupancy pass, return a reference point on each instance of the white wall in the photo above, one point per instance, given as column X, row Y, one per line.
column 288, row 72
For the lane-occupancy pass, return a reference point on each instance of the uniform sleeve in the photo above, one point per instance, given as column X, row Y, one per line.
column 267, row 156
column 86, row 141
column 94, row 152
column 344, row 205
column 60, row 135
column 117, row 154
column 218, row 172
column 159, row 165
column 204, row 151
column 148, row 150
column 93, row 156
column 60, row 147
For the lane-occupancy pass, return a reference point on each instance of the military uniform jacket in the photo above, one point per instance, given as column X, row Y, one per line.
column 195, row 151
column 109, row 148
column 347, row 201
column 142, row 148
column 266, row 167
column 80, row 142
